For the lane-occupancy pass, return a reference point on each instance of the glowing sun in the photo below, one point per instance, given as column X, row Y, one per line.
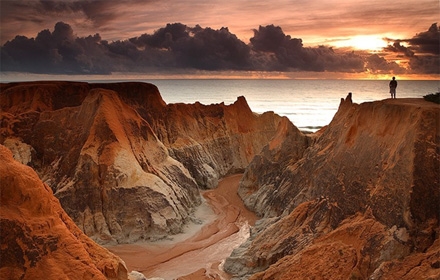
column 363, row 42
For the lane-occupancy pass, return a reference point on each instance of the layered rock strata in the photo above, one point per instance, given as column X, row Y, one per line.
column 125, row 165
column 38, row 238
column 361, row 202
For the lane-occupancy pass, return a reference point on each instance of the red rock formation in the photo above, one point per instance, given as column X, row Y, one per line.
column 214, row 140
column 125, row 165
column 360, row 203
column 38, row 239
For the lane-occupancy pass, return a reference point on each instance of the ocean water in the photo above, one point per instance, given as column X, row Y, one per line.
column 309, row 104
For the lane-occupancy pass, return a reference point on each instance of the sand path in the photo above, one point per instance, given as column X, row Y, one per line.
column 200, row 255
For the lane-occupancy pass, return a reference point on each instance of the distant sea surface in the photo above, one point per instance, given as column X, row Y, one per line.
column 309, row 104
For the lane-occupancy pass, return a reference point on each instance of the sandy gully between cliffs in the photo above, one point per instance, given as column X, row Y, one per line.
column 201, row 254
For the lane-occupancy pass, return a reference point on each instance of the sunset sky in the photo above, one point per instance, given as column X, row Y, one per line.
column 344, row 38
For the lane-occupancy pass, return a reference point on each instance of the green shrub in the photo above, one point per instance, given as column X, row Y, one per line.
column 433, row 97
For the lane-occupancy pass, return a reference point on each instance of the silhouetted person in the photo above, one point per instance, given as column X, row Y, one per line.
column 393, row 86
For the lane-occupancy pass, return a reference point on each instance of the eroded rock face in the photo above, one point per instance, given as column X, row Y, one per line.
column 286, row 148
column 38, row 239
column 214, row 140
column 125, row 165
column 360, row 203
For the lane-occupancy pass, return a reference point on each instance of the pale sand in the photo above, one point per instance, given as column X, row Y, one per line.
column 200, row 255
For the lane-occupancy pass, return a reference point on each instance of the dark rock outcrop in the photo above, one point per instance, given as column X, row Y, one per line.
column 38, row 239
column 125, row 165
column 361, row 202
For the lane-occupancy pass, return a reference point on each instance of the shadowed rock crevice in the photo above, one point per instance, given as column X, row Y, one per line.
column 125, row 165
column 363, row 195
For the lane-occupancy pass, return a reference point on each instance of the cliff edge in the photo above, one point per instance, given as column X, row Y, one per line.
column 360, row 202
column 39, row 240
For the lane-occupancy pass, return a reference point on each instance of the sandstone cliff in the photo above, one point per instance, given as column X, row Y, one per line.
column 125, row 165
column 38, row 239
column 360, row 202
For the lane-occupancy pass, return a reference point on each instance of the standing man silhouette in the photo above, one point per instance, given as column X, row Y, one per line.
column 393, row 86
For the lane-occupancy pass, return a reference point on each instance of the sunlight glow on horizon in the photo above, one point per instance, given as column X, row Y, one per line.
column 362, row 42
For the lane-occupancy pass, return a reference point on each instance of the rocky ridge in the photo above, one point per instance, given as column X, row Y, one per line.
column 125, row 165
column 360, row 202
column 357, row 200
column 39, row 240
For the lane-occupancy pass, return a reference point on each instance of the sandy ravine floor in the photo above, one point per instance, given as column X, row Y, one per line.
column 199, row 253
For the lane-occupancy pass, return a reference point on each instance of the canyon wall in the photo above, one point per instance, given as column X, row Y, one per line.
column 39, row 240
column 360, row 201
column 125, row 165
column 357, row 200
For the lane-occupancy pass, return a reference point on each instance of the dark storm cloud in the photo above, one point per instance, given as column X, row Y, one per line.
column 290, row 53
column 211, row 49
column 59, row 51
column 271, row 38
column 199, row 48
column 164, row 37
column 177, row 46
column 379, row 65
column 427, row 42
column 425, row 64
column 399, row 48
column 423, row 50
